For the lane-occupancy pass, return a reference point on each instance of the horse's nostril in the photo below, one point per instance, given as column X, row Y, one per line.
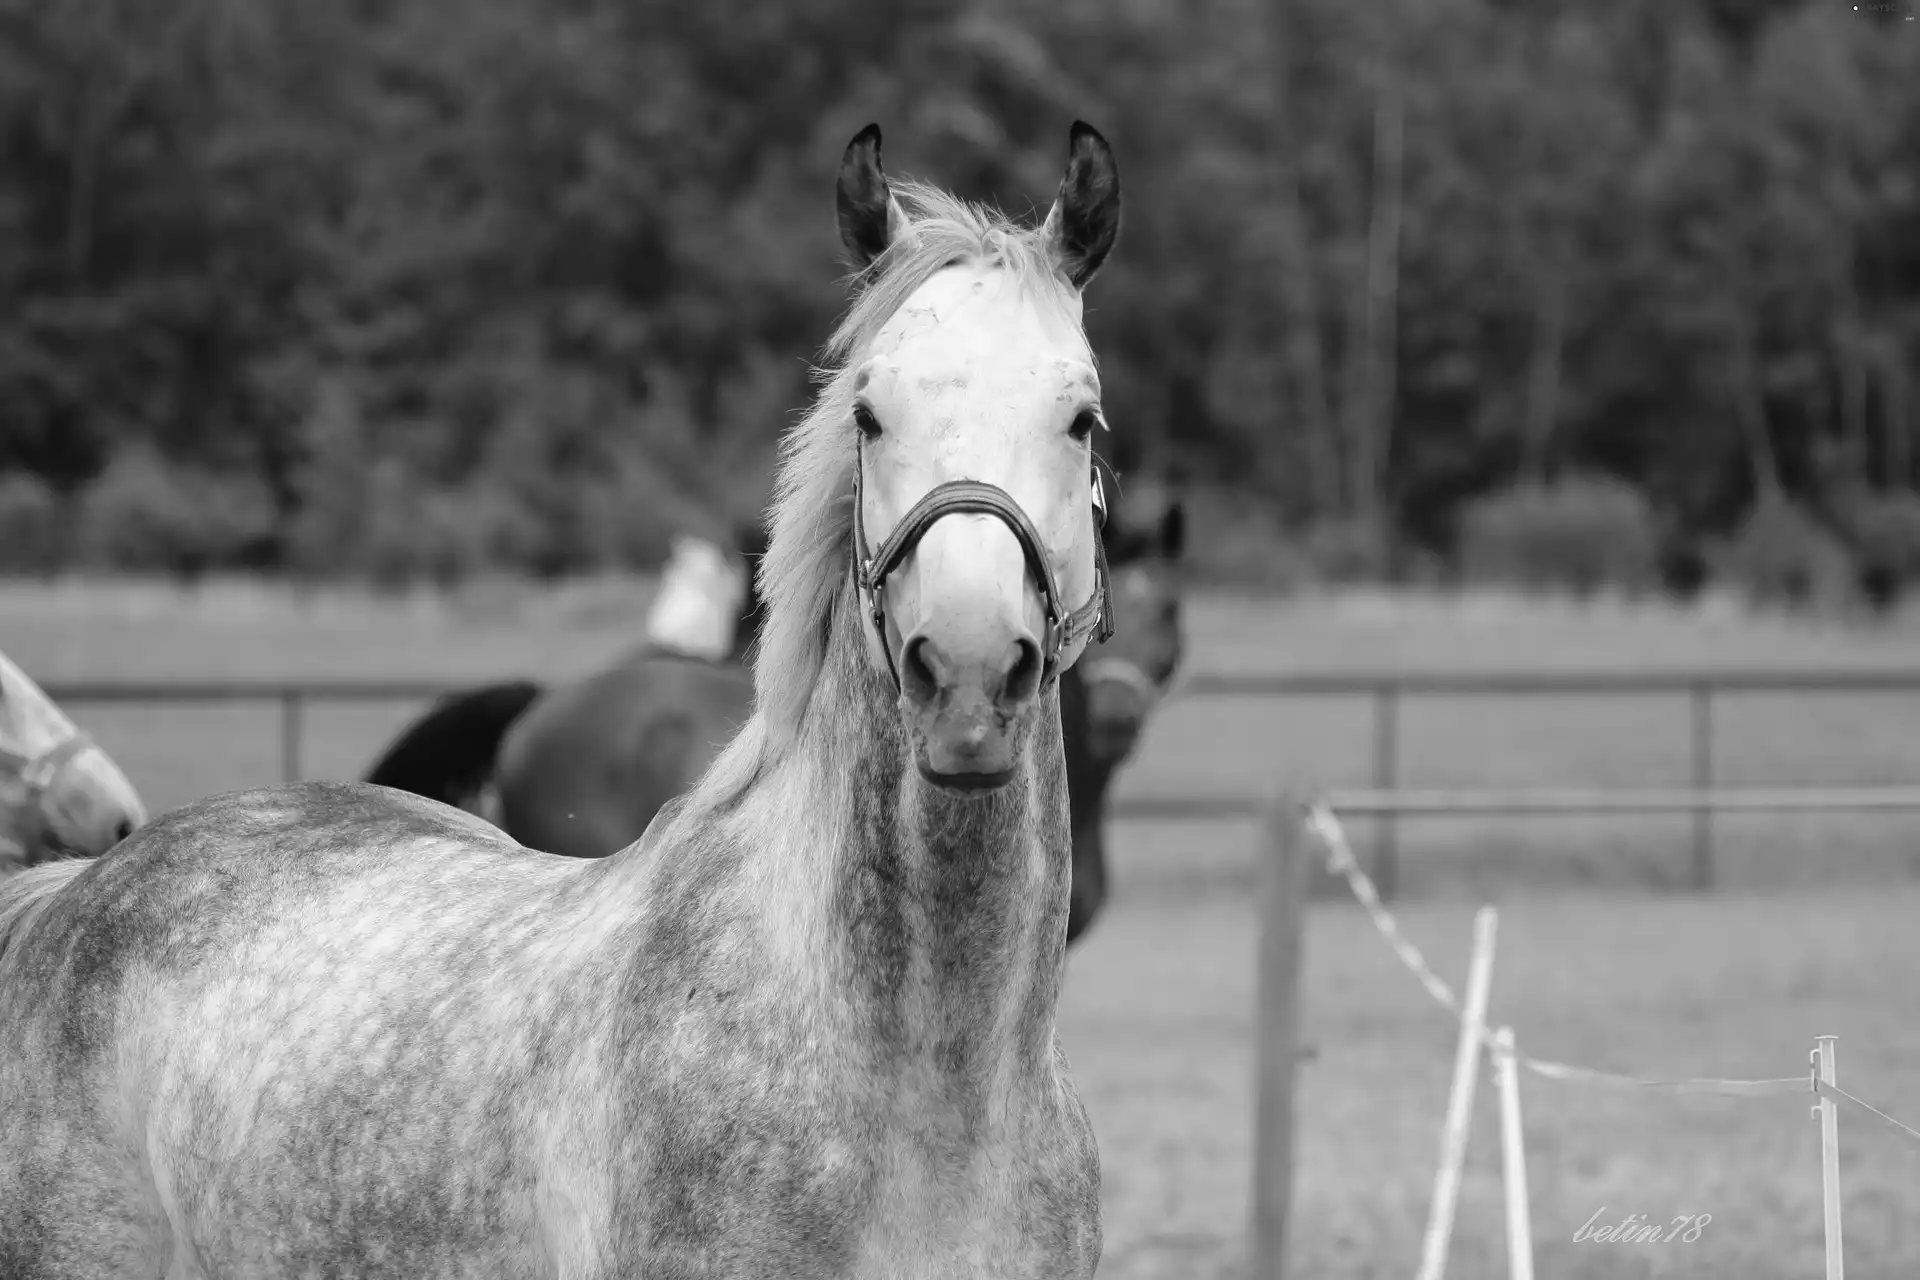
column 122, row 830
column 1023, row 676
column 918, row 670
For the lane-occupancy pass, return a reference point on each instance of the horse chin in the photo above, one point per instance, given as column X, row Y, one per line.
column 964, row 744
column 975, row 761
column 964, row 782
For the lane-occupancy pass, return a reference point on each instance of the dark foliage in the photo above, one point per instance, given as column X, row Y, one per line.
column 404, row 290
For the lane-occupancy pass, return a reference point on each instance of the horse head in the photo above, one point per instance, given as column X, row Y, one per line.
column 59, row 792
column 971, row 409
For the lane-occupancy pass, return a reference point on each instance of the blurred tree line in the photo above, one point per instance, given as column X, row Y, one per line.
column 1623, row 291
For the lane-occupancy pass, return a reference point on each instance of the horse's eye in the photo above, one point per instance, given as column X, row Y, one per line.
column 868, row 425
column 1083, row 424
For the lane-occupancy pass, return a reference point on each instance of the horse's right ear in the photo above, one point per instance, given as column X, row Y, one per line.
column 869, row 216
column 1085, row 219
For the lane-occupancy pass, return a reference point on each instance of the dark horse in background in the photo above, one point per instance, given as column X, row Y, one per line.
column 581, row 768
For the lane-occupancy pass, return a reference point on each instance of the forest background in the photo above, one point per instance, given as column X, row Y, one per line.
column 1615, row 294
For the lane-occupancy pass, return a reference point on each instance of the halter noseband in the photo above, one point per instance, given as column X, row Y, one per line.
column 978, row 497
column 39, row 773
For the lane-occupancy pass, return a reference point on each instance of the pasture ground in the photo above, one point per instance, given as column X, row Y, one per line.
column 1809, row 932
column 1156, row 1019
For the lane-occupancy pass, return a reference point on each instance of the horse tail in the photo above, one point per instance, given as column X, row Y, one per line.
column 448, row 754
column 26, row 894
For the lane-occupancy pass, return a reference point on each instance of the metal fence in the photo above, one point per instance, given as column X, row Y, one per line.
column 1389, row 692
column 1386, row 692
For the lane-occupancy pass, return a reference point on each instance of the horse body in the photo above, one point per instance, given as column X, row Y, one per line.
column 806, row 1051
column 448, row 754
column 803, row 1028
column 182, row 1059
column 591, row 762
column 588, row 766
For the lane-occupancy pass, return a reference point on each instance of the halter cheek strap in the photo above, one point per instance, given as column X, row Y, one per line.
column 40, row 772
column 956, row 497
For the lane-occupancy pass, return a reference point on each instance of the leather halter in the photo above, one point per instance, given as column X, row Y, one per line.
column 39, row 773
column 956, row 497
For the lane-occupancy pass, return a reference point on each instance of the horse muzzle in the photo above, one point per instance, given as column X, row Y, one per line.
column 970, row 672
column 966, row 739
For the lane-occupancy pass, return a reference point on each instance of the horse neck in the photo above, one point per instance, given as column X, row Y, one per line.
column 946, row 915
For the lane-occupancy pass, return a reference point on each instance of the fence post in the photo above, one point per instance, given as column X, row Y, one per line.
column 1829, row 1118
column 1282, row 918
column 1702, row 699
column 291, row 705
column 1459, row 1118
column 1386, row 776
column 1513, row 1158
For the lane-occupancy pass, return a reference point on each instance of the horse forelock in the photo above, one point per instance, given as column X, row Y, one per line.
column 811, row 516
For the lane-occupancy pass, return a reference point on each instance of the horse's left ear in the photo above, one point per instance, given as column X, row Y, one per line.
column 1173, row 530
column 1085, row 218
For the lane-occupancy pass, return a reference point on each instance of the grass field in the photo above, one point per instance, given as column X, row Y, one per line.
column 1810, row 933
column 1157, row 1020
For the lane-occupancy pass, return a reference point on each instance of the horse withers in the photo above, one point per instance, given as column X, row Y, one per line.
column 60, row 793
column 805, row 1028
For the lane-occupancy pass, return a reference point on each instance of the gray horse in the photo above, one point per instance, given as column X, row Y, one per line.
column 805, row 1027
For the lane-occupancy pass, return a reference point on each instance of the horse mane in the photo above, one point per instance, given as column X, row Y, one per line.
column 811, row 516
column 750, row 544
